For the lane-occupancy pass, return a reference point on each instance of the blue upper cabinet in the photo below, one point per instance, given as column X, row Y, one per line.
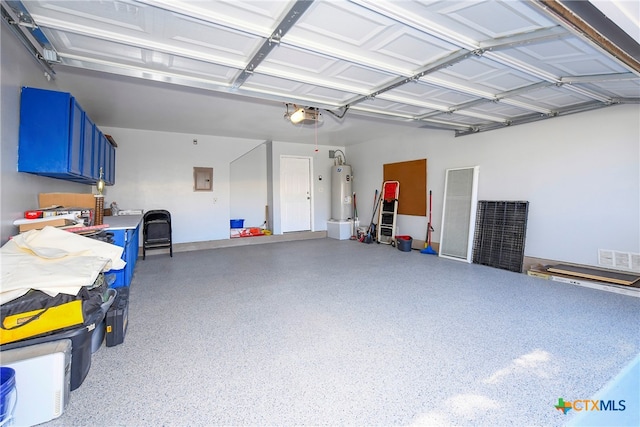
column 59, row 140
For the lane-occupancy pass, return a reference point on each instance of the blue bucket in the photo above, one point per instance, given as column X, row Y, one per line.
column 7, row 394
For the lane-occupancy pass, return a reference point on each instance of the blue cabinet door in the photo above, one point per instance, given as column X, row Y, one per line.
column 100, row 156
column 87, row 148
column 132, row 254
column 76, row 139
column 110, row 164
column 45, row 132
column 128, row 239
column 120, row 239
column 107, row 159
column 51, row 134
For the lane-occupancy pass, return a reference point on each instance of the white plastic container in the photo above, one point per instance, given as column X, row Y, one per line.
column 43, row 378
column 340, row 230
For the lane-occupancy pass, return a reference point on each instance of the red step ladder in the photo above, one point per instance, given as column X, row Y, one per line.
column 388, row 212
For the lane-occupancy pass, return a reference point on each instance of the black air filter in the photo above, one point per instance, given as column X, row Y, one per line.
column 500, row 234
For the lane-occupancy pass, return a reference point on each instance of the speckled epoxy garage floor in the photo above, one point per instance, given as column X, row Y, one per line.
column 328, row 332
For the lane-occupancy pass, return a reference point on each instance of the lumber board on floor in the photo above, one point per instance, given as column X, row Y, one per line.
column 588, row 283
column 542, row 272
column 595, row 274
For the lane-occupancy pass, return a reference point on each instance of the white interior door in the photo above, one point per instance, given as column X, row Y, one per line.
column 295, row 193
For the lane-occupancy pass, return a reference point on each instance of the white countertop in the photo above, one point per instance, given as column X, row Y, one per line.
column 121, row 222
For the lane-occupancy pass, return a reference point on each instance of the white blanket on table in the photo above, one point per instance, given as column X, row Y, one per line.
column 53, row 261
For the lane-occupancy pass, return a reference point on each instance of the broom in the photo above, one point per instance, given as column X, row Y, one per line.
column 427, row 245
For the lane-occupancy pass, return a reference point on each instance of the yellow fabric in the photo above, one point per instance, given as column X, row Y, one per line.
column 51, row 319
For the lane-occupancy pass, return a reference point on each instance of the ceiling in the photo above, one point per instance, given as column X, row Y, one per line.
column 462, row 66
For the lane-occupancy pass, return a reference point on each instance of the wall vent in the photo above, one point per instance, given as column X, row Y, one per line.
column 619, row 260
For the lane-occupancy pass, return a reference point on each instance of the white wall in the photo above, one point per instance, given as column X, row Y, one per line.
column 19, row 191
column 249, row 187
column 580, row 174
column 154, row 170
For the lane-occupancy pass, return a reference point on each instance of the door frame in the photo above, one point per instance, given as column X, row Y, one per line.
column 311, row 192
column 473, row 205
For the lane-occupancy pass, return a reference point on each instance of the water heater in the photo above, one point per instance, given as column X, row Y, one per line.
column 341, row 193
